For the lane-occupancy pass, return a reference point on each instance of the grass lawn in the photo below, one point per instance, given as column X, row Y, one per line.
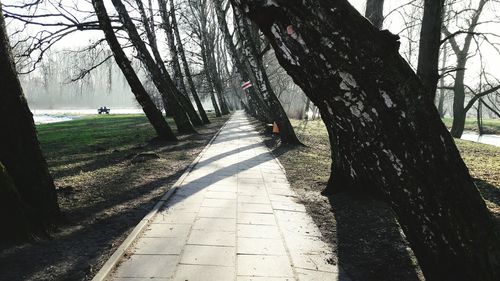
column 108, row 174
column 490, row 126
column 363, row 231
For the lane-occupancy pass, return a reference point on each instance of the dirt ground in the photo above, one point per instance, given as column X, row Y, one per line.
column 103, row 192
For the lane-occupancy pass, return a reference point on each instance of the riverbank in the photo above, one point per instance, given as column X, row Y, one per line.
column 48, row 116
column 108, row 175
column 490, row 126
column 363, row 231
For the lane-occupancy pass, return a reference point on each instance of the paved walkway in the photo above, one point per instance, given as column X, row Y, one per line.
column 234, row 218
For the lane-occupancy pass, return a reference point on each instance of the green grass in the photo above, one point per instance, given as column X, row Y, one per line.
column 90, row 133
column 490, row 125
column 90, row 149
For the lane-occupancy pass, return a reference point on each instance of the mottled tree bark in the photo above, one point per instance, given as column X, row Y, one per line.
column 21, row 155
column 375, row 12
column 390, row 138
column 187, row 71
column 157, row 69
column 429, row 44
column 163, row 130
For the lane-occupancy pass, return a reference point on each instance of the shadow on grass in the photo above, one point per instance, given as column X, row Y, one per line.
column 488, row 191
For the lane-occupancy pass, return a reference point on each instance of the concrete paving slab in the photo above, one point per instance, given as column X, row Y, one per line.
column 212, row 238
column 256, row 278
column 254, row 218
column 159, row 246
column 255, row 208
column 208, row 255
column 217, row 224
column 177, row 217
column 148, row 266
column 258, row 231
column 204, row 273
column 167, row 230
column 234, row 217
column 260, row 246
column 264, row 266
column 227, row 212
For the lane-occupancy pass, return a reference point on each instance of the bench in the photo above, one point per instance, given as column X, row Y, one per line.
column 103, row 110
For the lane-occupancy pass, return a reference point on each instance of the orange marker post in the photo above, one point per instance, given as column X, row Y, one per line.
column 276, row 129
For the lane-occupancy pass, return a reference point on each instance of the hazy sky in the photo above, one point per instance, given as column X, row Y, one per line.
column 394, row 23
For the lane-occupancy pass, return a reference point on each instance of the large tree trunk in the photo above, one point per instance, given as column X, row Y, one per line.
column 430, row 41
column 157, row 69
column 20, row 153
column 185, row 64
column 154, row 115
column 375, row 12
column 390, row 139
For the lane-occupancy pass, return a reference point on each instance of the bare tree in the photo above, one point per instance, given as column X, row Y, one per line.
column 187, row 71
column 463, row 53
column 152, row 113
column 158, row 71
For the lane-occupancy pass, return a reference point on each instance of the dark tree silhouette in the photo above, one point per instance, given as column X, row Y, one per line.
column 375, row 12
column 389, row 138
column 430, row 42
column 28, row 197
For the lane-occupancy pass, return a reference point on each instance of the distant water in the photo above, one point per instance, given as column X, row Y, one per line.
column 45, row 116
column 486, row 139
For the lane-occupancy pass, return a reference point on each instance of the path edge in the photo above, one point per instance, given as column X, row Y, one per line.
column 111, row 263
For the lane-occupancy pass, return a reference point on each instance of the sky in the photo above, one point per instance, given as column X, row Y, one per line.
column 394, row 22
